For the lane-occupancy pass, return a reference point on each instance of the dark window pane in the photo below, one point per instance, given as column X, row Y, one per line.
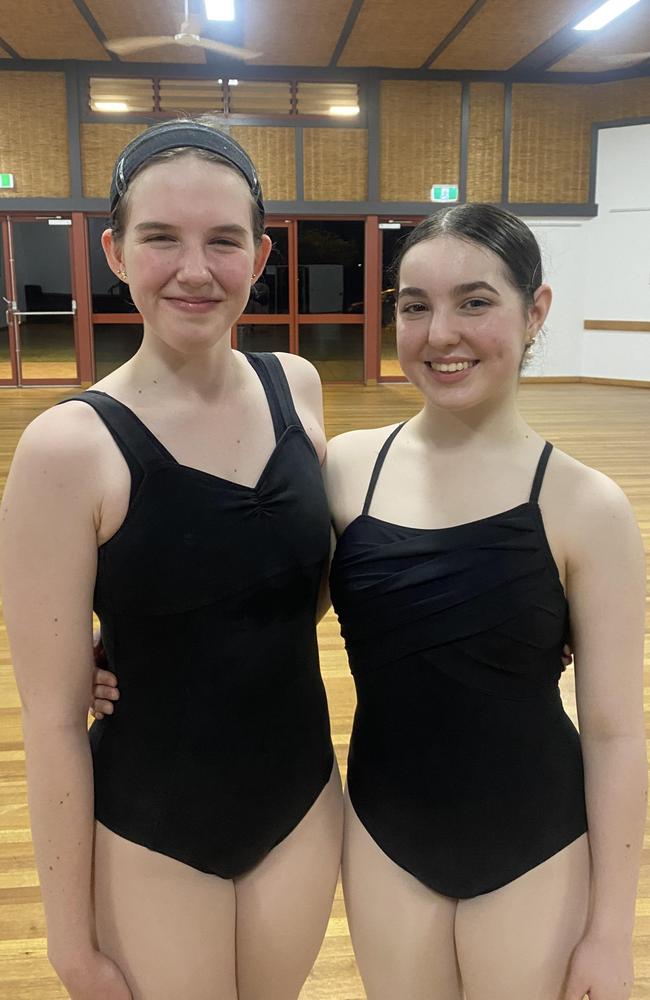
column 114, row 345
column 391, row 240
column 5, row 358
column 42, row 263
column 336, row 350
column 330, row 266
column 270, row 293
column 109, row 294
column 260, row 337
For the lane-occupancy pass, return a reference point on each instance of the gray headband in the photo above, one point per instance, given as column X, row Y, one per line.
column 173, row 135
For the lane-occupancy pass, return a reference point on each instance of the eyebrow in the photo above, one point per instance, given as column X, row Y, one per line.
column 233, row 229
column 457, row 291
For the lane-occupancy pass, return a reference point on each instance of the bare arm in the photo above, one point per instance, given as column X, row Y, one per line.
column 606, row 585
column 48, row 554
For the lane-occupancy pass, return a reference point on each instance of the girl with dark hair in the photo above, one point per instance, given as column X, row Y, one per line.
column 182, row 498
column 488, row 850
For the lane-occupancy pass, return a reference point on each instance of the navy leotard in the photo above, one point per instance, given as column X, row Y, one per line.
column 463, row 765
column 207, row 599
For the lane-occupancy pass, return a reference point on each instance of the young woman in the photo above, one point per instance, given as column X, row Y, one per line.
column 181, row 498
column 478, row 855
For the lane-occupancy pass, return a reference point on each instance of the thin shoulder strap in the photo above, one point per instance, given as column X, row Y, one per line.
column 140, row 449
column 377, row 466
column 539, row 472
column 278, row 393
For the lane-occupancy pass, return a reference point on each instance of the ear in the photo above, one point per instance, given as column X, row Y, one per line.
column 539, row 310
column 262, row 254
column 113, row 252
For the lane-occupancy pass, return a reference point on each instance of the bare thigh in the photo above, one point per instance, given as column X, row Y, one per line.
column 284, row 904
column 517, row 941
column 402, row 932
column 169, row 928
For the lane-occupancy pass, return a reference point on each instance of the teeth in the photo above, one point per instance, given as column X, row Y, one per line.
column 457, row 366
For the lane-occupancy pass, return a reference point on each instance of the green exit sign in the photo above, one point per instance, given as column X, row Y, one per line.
column 444, row 192
column 6, row 180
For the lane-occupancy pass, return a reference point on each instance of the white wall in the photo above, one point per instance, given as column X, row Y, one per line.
column 599, row 268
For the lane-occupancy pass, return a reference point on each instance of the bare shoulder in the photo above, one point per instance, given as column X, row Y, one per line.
column 302, row 377
column 595, row 512
column 350, row 460
column 66, row 436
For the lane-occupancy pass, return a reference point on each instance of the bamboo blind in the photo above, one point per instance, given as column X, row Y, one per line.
column 273, row 151
column 420, row 137
column 34, row 134
column 622, row 99
column 551, row 143
column 336, row 164
column 485, row 152
column 100, row 146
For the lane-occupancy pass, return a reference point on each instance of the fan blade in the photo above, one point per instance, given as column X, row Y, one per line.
column 625, row 58
column 124, row 46
column 227, row 50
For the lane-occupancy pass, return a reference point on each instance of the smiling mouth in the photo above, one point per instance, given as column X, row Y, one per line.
column 454, row 366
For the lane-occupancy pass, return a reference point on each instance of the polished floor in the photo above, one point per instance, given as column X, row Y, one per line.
column 604, row 426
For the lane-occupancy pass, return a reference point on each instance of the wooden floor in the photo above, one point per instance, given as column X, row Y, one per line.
column 607, row 427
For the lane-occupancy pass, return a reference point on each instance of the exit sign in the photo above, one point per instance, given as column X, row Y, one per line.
column 6, row 180
column 444, row 192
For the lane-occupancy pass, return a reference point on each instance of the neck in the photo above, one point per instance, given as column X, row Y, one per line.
column 206, row 375
column 498, row 424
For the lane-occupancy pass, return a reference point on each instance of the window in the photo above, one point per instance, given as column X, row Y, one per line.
column 112, row 94
column 193, row 96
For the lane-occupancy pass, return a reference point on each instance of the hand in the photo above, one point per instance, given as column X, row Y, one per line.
column 602, row 969
column 567, row 655
column 105, row 690
column 95, row 977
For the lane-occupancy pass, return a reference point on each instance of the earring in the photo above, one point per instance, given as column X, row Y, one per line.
column 253, row 275
column 122, row 274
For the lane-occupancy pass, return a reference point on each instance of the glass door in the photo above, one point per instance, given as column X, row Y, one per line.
column 7, row 357
column 266, row 323
column 41, row 309
column 392, row 234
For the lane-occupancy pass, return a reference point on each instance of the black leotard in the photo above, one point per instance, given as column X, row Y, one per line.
column 207, row 598
column 463, row 765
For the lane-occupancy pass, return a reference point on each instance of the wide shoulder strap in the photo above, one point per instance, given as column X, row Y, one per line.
column 539, row 472
column 274, row 381
column 141, row 451
column 379, row 461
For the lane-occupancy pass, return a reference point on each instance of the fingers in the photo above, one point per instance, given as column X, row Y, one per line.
column 105, row 678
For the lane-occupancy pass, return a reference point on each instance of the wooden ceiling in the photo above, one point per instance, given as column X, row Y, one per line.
column 512, row 37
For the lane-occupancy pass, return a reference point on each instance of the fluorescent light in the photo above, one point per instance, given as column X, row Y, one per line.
column 233, row 83
column 390, row 225
column 111, row 106
column 605, row 13
column 220, row 10
column 348, row 110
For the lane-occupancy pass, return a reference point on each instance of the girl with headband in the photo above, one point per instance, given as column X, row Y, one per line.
column 181, row 499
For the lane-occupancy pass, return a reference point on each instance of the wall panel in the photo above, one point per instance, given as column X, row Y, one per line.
column 273, row 151
column 550, row 149
column 100, row 146
column 485, row 153
column 420, row 137
column 622, row 99
column 336, row 164
column 34, row 134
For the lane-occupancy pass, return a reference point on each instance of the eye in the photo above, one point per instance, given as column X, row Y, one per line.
column 413, row 308
column 221, row 241
column 476, row 303
column 158, row 239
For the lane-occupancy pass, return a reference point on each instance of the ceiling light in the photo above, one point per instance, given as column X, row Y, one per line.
column 348, row 110
column 605, row 13
column 220, row 10
column 111, row 106
column 233, row 83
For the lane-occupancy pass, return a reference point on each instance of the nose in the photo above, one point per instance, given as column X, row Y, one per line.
column 193, row 267
column 443, row 329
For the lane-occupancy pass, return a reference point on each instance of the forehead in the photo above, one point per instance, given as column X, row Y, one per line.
column 447, row 260
column 186, row 188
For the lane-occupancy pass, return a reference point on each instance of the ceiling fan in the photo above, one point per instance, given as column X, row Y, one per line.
column 188, row 35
